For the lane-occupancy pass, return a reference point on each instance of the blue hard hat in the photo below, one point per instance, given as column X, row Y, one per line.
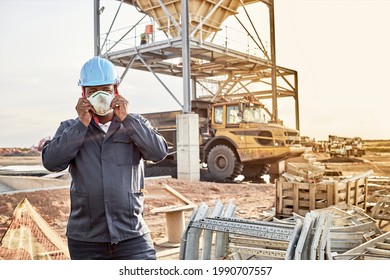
column 98, row 71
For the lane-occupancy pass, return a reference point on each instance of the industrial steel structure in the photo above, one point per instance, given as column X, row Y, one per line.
column 216, row 60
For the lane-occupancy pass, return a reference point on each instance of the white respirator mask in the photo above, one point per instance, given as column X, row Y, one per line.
column 101, row 102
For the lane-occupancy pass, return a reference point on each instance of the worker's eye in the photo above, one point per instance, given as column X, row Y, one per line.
column 109, row 90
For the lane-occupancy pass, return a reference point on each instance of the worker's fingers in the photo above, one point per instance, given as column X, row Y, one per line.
column 119, row 103
column 83, row 105
column 84, row 110
column 120, row 106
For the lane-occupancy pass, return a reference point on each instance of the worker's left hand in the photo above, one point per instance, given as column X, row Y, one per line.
column 120, row 106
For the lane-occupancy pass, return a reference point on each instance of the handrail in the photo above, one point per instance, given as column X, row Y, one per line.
column 227, row 37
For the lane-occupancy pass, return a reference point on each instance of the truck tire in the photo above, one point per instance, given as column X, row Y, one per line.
column 222, row 163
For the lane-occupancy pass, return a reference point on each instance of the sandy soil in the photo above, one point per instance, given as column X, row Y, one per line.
column 251, row 199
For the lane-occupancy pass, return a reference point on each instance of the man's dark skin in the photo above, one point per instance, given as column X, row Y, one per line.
column 86, row 111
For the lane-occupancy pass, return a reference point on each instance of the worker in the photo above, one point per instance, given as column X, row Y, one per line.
column 144, row 38
column 104, row 149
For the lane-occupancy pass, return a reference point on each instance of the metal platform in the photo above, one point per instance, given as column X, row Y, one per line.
column 208, row 60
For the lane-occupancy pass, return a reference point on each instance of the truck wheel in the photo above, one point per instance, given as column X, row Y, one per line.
column 222, row 163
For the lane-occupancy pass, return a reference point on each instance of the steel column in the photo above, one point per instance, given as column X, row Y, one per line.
column 273, row 61
column 186, row 58
column 96, row 25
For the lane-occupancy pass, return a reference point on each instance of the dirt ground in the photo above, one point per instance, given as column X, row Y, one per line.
column 252, row 200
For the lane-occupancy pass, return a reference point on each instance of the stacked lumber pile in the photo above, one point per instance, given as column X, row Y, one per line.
column 304, row 172
column 314, row 192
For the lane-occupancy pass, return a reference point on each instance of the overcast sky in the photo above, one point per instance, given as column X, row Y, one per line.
column 339, row 48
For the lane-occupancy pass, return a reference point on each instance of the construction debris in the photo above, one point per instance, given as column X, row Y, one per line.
column 351, row 226
column 381, row 210
column 246, row 239
column 315, row 223
column 376, row 249
column 320, row 235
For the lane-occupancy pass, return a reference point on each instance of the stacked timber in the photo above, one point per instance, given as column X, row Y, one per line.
column 304, row 188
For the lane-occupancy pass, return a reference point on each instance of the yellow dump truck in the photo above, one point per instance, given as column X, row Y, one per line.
column 234, row 137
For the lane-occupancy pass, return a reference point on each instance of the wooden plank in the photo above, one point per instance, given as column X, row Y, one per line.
column 296, row 197
column 365, row 190
column 178, row 195
column 279, row 196
column 312, row 197
column 348, row 196
column 287, row 211
column 357, row 192
column 172, row 208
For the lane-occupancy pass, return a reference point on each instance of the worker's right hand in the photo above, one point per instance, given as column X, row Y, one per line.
column 85, row 110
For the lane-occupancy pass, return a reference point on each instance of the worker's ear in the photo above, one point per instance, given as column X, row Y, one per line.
column 82, row 92
column 116, row 92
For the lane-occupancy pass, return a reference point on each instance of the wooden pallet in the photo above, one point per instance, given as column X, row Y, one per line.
column 301, row 198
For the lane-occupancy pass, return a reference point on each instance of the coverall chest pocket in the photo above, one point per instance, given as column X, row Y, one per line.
column 125, row 151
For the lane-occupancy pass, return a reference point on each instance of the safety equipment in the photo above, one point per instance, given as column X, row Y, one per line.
column 98, row 71
column 101, row 102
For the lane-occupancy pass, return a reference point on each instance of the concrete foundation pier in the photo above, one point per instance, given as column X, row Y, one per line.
column 188, row 147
